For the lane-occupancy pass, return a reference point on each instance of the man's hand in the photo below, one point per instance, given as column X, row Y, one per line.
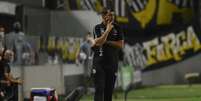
column 109, row 26
column 19, row 82
column 6, row 82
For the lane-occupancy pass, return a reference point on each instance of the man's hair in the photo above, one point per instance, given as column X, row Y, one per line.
column 104, row 11
column 17, row 24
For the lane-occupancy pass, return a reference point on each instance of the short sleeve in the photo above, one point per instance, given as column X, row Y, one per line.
column 120, row 35
column 96, row 32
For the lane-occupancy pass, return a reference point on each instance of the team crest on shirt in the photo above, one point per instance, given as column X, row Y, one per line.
column 115, row 32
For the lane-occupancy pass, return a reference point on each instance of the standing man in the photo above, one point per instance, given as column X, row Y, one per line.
column 15, row 41
column 108, row 40
column 85, row 54
column 85, row 58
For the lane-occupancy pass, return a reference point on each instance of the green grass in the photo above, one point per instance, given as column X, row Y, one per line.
column 160, row 93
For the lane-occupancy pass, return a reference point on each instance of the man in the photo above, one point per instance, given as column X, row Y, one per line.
column 85, row 58
column 85, row 54
column 8, row 82
column 5, row 63
column 15, row 41
column 108, row 40
column 3, row 82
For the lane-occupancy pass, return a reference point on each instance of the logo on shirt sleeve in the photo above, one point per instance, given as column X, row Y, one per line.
column 115, row 32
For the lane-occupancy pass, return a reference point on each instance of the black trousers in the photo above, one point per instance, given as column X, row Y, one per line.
column 104, row 81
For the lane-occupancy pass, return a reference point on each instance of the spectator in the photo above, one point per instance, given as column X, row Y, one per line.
column 85, row 58
column 16, row 42
column 85, row 53
column 2, row 34
column 8, row 82
column 2, row 81
column 73, row 49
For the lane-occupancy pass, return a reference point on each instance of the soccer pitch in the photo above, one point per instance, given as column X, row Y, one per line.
column 160, row 93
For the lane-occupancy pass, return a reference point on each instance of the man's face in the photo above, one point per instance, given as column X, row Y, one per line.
column 2, row 29
column 9, row 55
column 108, row 17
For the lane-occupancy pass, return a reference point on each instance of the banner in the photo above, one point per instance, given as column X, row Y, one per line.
column 58, row 47
column 140, row 13
column 157, row 52
column 164, row 50
column 158, row 32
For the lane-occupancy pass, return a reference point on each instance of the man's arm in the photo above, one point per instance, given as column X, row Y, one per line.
column 102, row 39
column 10, row 78
column 13, row 80
column 4, row 82
column 119, row 39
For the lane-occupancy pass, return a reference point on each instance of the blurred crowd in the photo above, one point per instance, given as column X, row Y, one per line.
column 12, row 50
column 35, row 50
column 16, row 42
